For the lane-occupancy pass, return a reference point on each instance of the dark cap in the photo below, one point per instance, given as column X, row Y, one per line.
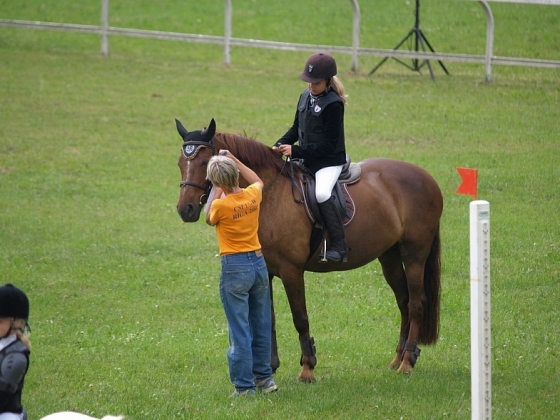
column 13, row 302
column 318, row 67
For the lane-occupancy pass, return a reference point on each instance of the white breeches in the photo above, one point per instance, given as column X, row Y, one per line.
column 324, row 182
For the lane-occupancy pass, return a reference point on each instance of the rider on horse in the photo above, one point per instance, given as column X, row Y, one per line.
column 319, row 128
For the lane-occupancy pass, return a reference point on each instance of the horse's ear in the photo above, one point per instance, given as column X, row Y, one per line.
column 208, row 133
column 182, row 130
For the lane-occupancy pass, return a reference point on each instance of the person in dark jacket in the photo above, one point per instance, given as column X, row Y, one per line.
column 319, row 128
column 14, row 351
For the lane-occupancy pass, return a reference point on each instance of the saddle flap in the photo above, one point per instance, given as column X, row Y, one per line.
column 342, row 199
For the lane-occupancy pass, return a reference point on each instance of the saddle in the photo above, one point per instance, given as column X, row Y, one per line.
column 350, row 174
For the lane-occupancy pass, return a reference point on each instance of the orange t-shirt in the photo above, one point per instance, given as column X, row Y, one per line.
column 236, row 217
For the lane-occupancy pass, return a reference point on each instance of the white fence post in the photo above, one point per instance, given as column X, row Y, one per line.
column 104, row 27
column 227, row 32
column 481, row 373
column 489, row 40
column 355, row 35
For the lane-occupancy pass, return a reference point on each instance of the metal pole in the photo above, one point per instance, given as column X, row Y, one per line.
column 104, row 27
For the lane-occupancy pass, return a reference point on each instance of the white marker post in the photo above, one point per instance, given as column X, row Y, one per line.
column 481, row 374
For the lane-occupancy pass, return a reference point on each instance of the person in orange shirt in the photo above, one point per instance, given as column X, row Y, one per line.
column 244, row 284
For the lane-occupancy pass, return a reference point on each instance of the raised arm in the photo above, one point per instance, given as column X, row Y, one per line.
column 250, row 176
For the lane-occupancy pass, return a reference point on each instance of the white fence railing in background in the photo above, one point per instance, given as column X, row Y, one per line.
column 355, row 50
column 549, row 2
column 489, row 56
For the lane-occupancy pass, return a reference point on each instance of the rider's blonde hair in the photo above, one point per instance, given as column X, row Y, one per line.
column 20, row 327
column 338, row 87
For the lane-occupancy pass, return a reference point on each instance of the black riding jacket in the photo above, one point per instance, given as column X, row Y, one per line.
column 319, row 128
column 14, row 362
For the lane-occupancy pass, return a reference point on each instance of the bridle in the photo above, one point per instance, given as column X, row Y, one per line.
column 206, row 188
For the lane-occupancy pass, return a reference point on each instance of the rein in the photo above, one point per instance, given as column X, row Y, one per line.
column 276, row 177
column 292, row 179
column 295, row 184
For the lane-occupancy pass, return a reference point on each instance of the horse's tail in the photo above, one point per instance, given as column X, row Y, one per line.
column 429, row 330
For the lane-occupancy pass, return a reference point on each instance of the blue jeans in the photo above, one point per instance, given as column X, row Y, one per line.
column 245, row 295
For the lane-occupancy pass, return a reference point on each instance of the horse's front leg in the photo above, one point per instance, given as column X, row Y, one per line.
column 308, row 358
column 274, row 359
column 295, row 290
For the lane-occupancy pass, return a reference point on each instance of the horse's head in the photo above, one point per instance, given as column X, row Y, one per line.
column 197, row 150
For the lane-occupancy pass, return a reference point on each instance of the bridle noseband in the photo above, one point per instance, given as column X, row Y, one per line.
column 206, row 188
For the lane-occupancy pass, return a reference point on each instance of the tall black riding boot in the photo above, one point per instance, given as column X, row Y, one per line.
column 333, row 223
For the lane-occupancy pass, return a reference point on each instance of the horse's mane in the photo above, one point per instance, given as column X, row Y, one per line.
column 251, row 152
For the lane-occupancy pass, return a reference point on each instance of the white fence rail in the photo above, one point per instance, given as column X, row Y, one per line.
column 355, row 50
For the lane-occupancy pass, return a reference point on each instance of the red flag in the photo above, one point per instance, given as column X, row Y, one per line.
column 469, row 184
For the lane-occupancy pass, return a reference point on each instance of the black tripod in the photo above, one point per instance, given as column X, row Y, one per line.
column 419, row 40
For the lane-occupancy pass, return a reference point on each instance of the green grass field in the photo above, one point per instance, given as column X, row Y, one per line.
column 125, row 310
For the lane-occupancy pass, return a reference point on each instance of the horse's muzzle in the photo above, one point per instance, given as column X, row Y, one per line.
column 189, row 213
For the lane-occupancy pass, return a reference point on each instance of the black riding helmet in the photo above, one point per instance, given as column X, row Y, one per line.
column 13, row 302
column 318, row 67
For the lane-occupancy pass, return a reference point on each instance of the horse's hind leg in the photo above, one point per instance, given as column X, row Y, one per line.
column 416, row 301
column 394, row 273
column 414, row 255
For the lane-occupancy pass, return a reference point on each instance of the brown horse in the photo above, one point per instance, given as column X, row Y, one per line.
column 397, row 214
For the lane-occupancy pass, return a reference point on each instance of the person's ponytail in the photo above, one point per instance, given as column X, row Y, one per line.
column 338, row 87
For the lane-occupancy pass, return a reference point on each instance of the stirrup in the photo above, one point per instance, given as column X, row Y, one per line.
column 322, row 257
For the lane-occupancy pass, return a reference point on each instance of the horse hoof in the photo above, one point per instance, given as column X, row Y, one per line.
column 395, row 363
column 406, row 369
column 394, row 366
column 306, row 376
column 307, row 380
